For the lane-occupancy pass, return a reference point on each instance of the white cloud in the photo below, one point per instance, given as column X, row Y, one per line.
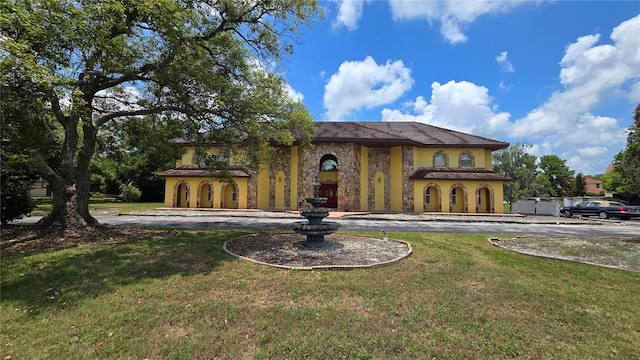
column 462, row 106
column 359, row 84
column 503, row 61
column 293, row 93
column 589, row 73
column 349, row 13
column 453, row 15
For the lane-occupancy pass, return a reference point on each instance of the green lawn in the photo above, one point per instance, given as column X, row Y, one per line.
column 100, row 207
column 455, row 297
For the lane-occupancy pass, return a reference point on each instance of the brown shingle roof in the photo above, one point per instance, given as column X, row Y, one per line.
column 457, row 174
column 196, row 172
column 393, row 133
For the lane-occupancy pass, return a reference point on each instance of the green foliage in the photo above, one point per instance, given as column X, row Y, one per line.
column 129, row 193
column 133, row 151
column 579, row 186
column 626, row 177
column 521, row 167
column 558, row 175
column 73, row 67
column 14, row 196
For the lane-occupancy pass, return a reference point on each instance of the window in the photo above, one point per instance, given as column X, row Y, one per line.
column 465, row 160
column 454, row 196
column 329, row 163
column 234, row 193
column 439, row 160
column 427, row 196
column 597, row 186
column 479, row 197
column 209, row 193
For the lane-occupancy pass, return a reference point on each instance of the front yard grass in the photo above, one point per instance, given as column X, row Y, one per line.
column 455, row 297
column 100, row 207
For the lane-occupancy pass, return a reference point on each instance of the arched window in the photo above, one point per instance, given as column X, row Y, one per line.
column 440, row 159
column 465, row 160
column 329, row 163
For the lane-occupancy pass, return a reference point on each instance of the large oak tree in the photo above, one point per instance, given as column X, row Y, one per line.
column 214, row 64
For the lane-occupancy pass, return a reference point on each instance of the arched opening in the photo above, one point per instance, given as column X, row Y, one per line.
column 457, row 199
column 230, row 196
column 181, row 195
column 432, row 198
column 484, row 199
column 328, row 162
column 205, row 195
column 328, row 176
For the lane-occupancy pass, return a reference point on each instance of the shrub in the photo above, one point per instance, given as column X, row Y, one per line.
column 129, row 193
column 16, row 199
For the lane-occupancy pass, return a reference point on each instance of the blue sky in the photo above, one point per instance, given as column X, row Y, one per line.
column 563, row 76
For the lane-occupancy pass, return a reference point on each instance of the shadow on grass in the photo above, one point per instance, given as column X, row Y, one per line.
column 61, row 279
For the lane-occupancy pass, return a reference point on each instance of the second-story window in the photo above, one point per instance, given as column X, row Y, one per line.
column 465, row 160
column 329, row 163
column 439, row 160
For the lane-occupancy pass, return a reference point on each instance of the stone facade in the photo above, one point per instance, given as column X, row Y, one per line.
column 281, row 162
column 379, row 161
column 348, row 156
column 407, row 186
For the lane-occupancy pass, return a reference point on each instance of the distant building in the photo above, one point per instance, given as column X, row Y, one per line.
column 594, row 186
column 40, row 188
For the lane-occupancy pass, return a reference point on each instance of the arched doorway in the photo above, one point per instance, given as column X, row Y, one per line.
column 230, row 196
column 484, row 199
column 328, row 176
column 181, row 195
column 432, row 195
column 205, row 195
column 458, row 199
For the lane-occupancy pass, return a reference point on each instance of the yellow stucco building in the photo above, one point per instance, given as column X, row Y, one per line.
column 362, row 166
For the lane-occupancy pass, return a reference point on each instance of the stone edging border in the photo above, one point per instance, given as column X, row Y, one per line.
column 321, row 267
column 496, row 242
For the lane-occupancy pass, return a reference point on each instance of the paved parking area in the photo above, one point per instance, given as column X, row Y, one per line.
column 504, row 218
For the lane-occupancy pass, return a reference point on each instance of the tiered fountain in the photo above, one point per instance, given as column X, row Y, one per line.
column 315, row 228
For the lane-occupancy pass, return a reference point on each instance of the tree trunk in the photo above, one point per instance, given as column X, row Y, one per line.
column 67, row 211
column 71, row 184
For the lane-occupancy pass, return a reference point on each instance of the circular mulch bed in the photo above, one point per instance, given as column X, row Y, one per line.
column 338, row 251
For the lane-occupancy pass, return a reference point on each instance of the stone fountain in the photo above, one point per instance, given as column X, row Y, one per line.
column 315, row 228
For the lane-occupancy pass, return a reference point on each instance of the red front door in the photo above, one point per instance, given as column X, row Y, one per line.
column 329, row 191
